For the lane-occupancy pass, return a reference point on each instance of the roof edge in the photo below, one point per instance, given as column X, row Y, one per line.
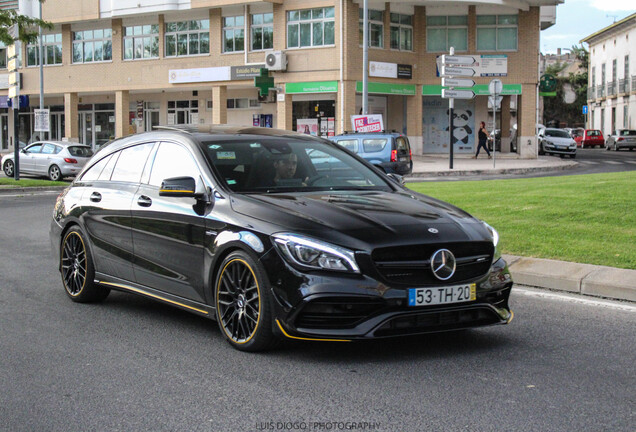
column 608, row 28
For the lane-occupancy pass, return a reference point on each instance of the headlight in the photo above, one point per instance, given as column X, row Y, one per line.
column 314, row 254
column 495, row 234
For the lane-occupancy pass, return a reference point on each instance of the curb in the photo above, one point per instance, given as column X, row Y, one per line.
column 500, row 171
column 584, row 279
column 10, row 189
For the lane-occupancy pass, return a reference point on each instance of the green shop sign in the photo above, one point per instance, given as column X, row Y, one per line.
column 312, row 87
column 479, row 90
column 388, row 88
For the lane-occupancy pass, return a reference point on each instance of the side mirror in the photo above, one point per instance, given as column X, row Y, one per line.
column 396, row 178
column 178, row 187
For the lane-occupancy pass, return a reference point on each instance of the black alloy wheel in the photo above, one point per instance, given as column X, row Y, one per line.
column 242, row 303
column 8, row 168
column 78, row 273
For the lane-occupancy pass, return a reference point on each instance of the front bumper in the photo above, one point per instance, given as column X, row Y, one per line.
column 554, row 149
column 343, row 308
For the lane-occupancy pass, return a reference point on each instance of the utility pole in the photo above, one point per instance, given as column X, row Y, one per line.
column 365, row 58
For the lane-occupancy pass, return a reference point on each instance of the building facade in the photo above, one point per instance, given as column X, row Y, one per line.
column 612, row 78
column 114, row 67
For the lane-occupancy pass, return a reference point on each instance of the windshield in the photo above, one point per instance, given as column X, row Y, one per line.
column 280, row 164
column 557, row 133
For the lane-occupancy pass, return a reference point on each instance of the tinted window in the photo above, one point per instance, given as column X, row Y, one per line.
column 93, row 172
column 49, row 149
column 349, row 144
column 80, row 151
column 172, row 160
column 36, row 148
column 278, row 164
column 628, row 133
column 374, row 144
column 131, row 163
column 557, row 133
column 593, row 133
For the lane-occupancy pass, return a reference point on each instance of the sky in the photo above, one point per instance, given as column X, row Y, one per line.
column 577, row 19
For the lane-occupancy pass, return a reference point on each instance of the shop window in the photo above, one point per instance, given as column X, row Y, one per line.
column 141, row 42
column 401, row 32
column 233, row 33
column 444, row 32
column 376, row 28
column 183, row 112
column 186, row 38
column 497, row 32
column 242, row 103
column 51, row 49
column 262, row 31
column 92, row 46
column 310, row 27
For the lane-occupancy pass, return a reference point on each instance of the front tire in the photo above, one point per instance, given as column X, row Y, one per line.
column 8, row 168
column 243, row 303
column 78, row 272
column 55, row 174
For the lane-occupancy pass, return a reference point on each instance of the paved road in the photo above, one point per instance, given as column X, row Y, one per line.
column 564, row 364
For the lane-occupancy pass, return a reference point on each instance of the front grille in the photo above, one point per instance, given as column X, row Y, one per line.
column 411, row 264
column 337, row 312
column 437, row 321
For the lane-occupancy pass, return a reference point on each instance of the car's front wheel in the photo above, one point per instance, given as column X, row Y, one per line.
column 8, row 168
column 243, row 303
column 54, row 173
column 78, row 272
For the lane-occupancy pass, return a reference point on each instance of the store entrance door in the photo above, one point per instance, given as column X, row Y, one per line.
column 4, row 131
column 151, row 118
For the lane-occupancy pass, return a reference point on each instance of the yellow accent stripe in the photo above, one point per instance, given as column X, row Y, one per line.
column 172, row 190
column 126, row 287
column 308, row 339
column 512, row 315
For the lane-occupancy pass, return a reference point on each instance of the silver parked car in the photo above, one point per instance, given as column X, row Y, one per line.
column 556, row 141
column 52, row 159
column 621, row 138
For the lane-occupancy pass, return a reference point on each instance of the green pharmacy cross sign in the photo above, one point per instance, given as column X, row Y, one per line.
column 547, row 85
column 264, row 82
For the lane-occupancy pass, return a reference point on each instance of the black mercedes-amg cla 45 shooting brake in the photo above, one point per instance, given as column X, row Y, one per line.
column 274, row 235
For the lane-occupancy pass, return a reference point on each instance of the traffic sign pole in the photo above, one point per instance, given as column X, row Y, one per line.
column 495, row 87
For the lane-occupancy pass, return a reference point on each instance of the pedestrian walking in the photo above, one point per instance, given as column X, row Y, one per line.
column 483, row 138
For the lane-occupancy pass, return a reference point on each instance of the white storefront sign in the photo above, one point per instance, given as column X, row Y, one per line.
column 382, row 69
column 181, row 76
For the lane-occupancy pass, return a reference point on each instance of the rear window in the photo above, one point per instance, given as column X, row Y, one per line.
column 80, row 151
column 374, row 145
column 593, row 133
column 351, row 145
column 627, row 132
column 402, row 145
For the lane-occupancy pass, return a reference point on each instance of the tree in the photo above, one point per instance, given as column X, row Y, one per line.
column 28, row 26
column 555, row 110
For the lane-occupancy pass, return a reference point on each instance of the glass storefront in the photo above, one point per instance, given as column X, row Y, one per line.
column 96, row 124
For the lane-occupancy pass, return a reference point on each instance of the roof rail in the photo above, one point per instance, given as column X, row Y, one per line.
column 179, row 128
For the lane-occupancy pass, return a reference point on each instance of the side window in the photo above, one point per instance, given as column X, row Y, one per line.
column 172, row 160
column 351, row 145
column 110, row 166
column 131, row 163
column 37, row 148
column 48, row 149
column 93, row 172
column 374, row 145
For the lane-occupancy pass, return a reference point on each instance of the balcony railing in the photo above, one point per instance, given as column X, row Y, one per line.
column 621, row 85
column 600, row 91
column 611, row 88
column 591, row 93
column 633, row 83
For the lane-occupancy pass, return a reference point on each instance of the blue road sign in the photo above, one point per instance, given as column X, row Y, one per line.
column 584, row 109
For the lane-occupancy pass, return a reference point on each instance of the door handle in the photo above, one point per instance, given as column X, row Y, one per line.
column 144, row 201
column 96, row 197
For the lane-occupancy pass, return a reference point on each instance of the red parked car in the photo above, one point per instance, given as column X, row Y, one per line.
column 590, row 138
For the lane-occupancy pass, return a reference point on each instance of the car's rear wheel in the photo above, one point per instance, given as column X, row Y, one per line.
column 78, row 272
column 54, row 173
column 615, row 147
column 8, row 168
column 243, row 303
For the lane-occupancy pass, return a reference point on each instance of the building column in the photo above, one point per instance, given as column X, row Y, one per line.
column 505, row 124
column 346, row 100
column 71, row 121
column 117, row 40
column 414, row 120
column 122, row 113
column 219, row 105
column 526, row 121
column 284, row 119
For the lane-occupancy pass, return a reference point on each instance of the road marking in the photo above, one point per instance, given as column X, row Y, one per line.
column 631, row 162
column 613, row 162
column 589, row 162
column 576, row 298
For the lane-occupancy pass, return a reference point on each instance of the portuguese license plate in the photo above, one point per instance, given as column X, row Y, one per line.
column 442, row 295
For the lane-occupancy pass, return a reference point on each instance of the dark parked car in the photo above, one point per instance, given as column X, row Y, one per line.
column 621, row 138
column 389, row 151
column 274, row 234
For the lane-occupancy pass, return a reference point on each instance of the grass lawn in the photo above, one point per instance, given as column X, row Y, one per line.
column 30, row 182
column 582, row 218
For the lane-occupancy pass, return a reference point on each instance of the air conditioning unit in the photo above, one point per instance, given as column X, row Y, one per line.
column 276, row 60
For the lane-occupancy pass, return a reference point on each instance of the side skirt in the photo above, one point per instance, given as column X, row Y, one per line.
column 185, row 304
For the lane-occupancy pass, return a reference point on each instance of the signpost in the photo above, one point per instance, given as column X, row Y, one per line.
column 494, row 88
column 448, row 72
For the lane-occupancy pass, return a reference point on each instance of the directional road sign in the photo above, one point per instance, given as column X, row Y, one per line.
column 495, row 87
column 457, row 71
column 457, row 94
column 458, row 60
column 457, row 82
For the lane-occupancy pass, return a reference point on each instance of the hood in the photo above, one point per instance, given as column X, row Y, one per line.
column 363, row 220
